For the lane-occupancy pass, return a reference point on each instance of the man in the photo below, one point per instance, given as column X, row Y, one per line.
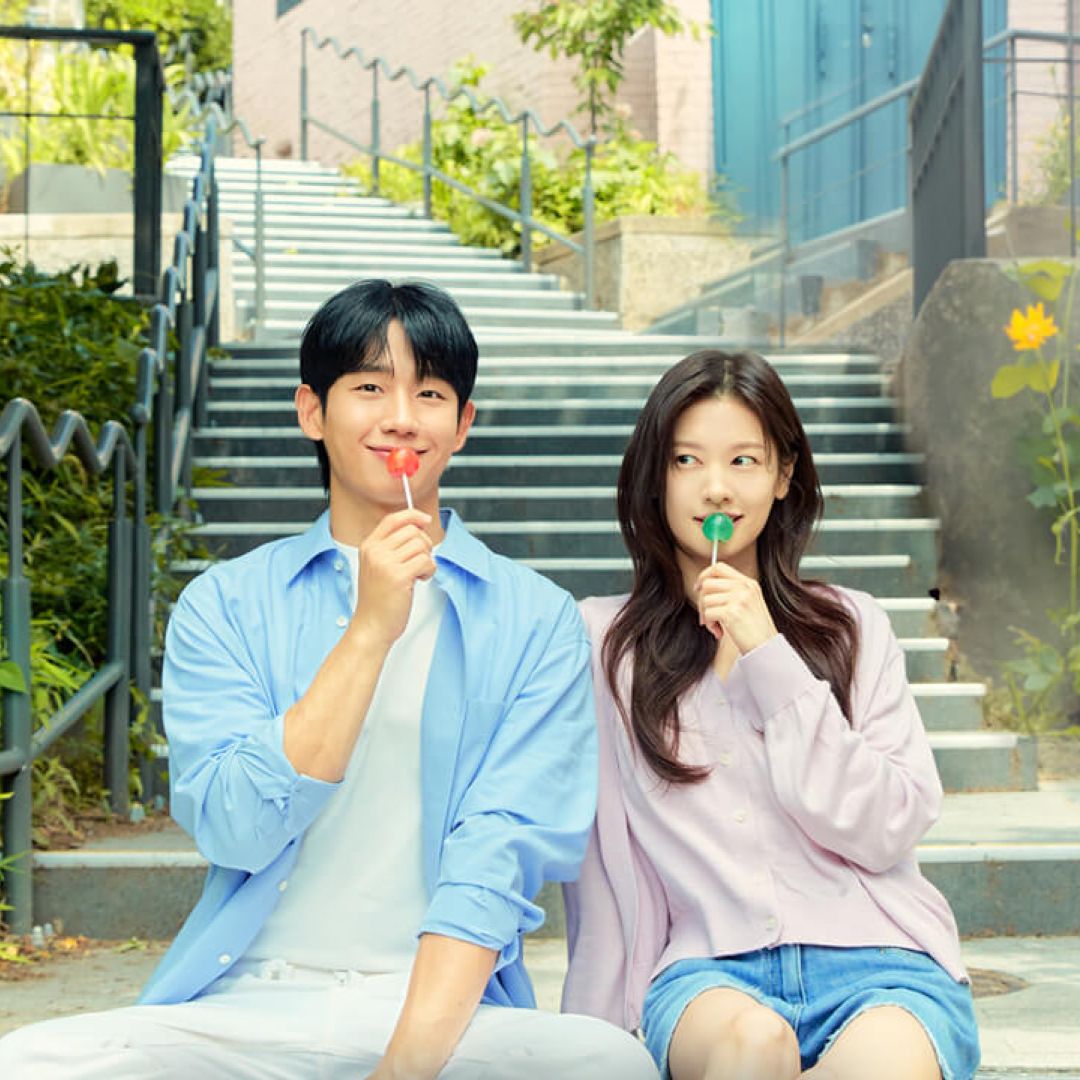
column 382, row 739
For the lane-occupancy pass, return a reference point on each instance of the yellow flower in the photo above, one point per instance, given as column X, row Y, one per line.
column 1029, row 330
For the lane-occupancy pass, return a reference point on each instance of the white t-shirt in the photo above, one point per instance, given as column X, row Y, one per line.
column 356, row 896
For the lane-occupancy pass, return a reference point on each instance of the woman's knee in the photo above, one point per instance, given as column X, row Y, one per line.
column 758, row 1034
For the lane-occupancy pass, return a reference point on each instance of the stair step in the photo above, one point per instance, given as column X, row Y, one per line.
column 1007, row 862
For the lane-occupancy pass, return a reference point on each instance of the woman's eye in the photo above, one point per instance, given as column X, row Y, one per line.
column 745, row 460
column 685, row 459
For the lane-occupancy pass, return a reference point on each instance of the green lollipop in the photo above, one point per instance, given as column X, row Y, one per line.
column 719, row 529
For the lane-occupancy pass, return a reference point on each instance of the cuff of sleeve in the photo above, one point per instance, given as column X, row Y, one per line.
column 768, row 679
column 306, row 794
column 480, row 916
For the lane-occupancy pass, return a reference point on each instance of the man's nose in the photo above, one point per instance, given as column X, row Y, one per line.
column 400, row 413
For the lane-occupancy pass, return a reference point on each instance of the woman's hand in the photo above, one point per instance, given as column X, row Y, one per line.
column 731, row 603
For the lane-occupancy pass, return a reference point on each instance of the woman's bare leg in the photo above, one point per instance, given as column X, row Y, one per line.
column 886, row 1042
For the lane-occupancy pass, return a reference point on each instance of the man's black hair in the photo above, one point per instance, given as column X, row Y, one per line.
column 348, row 333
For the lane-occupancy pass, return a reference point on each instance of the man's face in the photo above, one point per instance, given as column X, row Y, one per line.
column 370, row 413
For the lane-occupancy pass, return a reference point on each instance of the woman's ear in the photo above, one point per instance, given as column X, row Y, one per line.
column 783, row 481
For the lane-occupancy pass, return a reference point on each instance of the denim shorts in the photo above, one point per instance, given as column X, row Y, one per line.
column 819, row 991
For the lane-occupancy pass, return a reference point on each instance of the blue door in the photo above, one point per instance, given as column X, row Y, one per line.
column 782, row 68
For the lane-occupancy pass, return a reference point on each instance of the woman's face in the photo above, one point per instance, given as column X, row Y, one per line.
column 721, row 462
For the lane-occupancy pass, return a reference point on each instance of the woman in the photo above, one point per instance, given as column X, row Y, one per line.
column 751, row 897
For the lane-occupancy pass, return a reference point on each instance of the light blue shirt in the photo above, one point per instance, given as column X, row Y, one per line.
column 508, row 746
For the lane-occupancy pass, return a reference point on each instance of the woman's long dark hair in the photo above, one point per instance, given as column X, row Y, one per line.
column 658, row 627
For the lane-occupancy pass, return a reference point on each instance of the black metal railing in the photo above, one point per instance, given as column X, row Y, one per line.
column 948, row 187
column 147, row 120
column 527, row 121
column 170, row 403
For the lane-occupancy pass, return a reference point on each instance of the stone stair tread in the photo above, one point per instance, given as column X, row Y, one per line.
column 1019, row 824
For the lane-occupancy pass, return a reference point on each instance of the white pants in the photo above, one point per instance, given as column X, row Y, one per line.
column 271, row 1021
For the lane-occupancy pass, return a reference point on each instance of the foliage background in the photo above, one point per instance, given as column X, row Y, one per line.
column 68, row 342
column 630, row 176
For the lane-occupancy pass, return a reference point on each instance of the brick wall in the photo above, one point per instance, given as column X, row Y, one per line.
column 668, row 85
column 1036, row 112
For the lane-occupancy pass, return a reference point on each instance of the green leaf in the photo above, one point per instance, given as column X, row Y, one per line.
column 1042, row 377
column 1045, row 278
column 11, row 677
column 1042, row 498
column 1009, row 380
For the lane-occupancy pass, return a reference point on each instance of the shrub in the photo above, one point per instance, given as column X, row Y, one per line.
column 630, row 176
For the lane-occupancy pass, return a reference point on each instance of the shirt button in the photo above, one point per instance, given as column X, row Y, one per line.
column 224, row 958
column 724, row 759
column 342, row 621
column 339, row 565
column 282, row 886
column 739, row 816
column 771, row 925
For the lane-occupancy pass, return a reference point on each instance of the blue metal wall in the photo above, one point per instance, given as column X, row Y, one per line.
column 782, row 68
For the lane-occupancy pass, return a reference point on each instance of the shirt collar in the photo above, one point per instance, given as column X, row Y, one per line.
column 459, row 548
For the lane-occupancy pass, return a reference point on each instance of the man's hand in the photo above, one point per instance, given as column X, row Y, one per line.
column 731, row 603
column 321, row 728
column 393, row 558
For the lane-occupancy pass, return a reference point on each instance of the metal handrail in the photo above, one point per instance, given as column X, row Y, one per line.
column 170, row 403
column 783, row 155
column 528, row 121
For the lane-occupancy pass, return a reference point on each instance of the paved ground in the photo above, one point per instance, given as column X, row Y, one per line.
column 1029, row 1032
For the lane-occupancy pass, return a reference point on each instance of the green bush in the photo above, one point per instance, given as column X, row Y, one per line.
column 630, row 176
column 208, row 24
column 68, row 342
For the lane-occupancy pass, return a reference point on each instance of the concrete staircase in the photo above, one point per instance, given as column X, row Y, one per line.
column 559, row 390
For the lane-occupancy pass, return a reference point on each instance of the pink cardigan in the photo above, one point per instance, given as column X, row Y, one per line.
column 866, row 792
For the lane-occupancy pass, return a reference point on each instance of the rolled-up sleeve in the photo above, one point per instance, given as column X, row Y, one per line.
column 233, row 788
column 526, row 814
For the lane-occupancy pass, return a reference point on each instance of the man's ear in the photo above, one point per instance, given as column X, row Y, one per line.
column 309, row 412
column 468, row 415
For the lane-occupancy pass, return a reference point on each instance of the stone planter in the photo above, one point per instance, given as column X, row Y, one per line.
column 645, row 266
column 79, row 189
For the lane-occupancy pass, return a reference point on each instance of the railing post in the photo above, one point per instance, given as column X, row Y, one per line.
column 118, row 698
column 260, row 245
column 163, row 426
column 1070, row 68
column 785, row 244
column 303, row 96
column 17, row 809
column 141, row 600
column 1014, row 134
column 427, row 149
column 185, row 353
column 375, row 128
column 526, row 197
column 213, row 262
column 149, row 86
column 201, row 306
column 589, row 232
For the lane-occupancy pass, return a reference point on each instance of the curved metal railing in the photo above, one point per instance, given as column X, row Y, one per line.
column 528, row 121
column 170, row 403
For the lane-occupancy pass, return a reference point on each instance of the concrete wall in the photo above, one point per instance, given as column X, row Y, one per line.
column 997, row 550
column 645, row 266
column 56, row 241
column 668, row 88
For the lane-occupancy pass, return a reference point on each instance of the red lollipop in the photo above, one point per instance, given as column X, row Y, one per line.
column 404, row 462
